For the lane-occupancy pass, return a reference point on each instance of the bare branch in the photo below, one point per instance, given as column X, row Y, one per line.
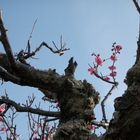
column 27, row 75
column 9, row 128
column 8, row 77
column 23, row 55
column 32, row 29
column 53, row 119
column 30, row 36
column 138, row 42
column 100, row 77
column 103, row 103
column 55, row 45
column 20, row 108
column 23, row 74
column 137, row 6
column 100, row 124
column 5, row 42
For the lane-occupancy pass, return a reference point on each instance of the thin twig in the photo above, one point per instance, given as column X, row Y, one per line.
column 103, row 103
column 8, row 76
column 30, row 36
column 30, row 125
column 43, row 129
column 32, row 29
column 138, row 49
column 14, row 138
column 22, row 56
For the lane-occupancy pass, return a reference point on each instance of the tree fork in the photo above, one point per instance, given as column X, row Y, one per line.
column 76, row 98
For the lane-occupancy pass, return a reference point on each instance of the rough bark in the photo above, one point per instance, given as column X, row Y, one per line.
column 126, row 122
column 76, row 98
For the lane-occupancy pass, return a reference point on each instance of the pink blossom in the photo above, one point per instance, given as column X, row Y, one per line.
column 113, row 57
column 93, row 127
column 118, row 48
column 92, row 70
column 106, row 78
column 2, row 107
column 3, row 129
column 113, row 74
column 112, row 68
column 98, row 60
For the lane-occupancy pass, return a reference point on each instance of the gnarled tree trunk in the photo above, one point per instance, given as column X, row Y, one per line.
column 126, row 122
column 76, row 98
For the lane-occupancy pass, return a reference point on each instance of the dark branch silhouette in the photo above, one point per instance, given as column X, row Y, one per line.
column 20, row 108
column 5, row 42
column 137, row 6
column 103, row 103
column 76, row 98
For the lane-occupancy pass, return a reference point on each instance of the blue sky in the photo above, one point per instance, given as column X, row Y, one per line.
column 86, row 26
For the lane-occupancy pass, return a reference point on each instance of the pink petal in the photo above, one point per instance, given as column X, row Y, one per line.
column 3, row 129
column 92, row 70
column 106, row 78
column 113, row 74
column 113, row 57
column 118, row 47
column 2, row 107
column 98, row 60
column 112, row 68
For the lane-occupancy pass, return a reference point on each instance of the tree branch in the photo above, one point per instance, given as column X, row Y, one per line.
column 103, row 103
column 4, row 74
column 110, row 82
column 137, row 6
column 5, row 42
column 20, row 108
column 23, row 55
column 23, row 74
column 138, row 42
column 27, row 75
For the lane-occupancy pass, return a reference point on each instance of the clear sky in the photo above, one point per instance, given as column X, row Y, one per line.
column 86, row 26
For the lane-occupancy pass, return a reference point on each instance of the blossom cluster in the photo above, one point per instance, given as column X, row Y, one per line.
column 3, row 128
column 98, row 62
column 39, row 128
column 7, row 126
